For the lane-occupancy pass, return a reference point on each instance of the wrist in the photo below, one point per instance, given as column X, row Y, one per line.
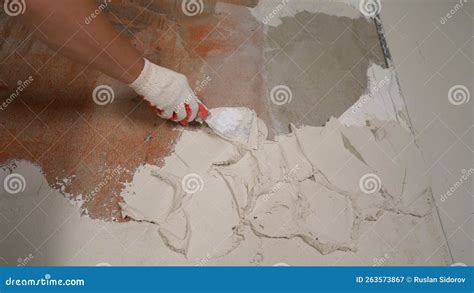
column 151, row 80
column 134, row 71
column 141, row 83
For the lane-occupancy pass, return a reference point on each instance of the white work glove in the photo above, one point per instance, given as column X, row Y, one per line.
column 169, row 93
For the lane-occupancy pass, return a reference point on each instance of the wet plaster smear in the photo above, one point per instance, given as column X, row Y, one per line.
column 212, row 196
column 297, row 199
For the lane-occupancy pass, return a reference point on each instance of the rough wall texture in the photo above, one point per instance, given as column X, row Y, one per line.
column 56, row 124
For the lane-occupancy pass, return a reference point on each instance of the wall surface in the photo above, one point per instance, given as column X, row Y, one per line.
column 65, row 145
column 431, row 46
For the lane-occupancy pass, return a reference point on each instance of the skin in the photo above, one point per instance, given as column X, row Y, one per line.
column 62, row 26
column 73, row 28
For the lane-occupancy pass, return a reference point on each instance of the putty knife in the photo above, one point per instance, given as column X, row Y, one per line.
column 235, row 124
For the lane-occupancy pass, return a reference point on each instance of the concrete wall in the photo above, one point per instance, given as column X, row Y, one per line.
column 431, row 45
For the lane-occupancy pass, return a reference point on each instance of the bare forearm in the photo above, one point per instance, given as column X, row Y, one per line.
column 63, row 26
column 67, row 26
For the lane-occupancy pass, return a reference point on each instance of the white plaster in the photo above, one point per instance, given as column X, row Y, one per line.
column 431, row 50
column 382, row 100
column 255, row 207
column 296, row 179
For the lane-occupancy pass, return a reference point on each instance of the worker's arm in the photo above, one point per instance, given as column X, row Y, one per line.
column 63, row 26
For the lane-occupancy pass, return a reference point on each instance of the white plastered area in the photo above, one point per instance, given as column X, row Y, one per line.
column 299, row 199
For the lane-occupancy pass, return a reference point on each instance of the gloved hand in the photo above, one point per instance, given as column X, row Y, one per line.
column 169, row 93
